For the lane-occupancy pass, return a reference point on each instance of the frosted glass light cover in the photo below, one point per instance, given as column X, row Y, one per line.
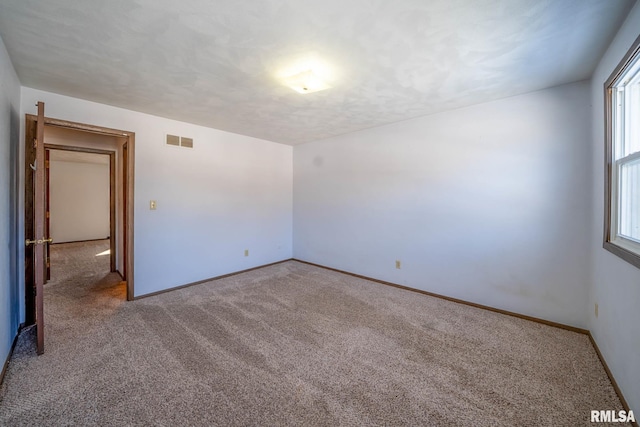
column 306, row 82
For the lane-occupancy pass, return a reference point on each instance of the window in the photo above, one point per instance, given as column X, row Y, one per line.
column 622, row 204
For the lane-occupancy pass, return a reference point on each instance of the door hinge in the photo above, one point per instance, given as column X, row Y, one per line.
column 46, row 164
column 48, row 214
column 35, row 142
column 48, row 262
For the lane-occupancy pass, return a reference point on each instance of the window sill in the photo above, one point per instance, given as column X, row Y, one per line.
column 627, row 255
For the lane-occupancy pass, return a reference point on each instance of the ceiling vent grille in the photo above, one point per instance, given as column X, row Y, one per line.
column 179, row 141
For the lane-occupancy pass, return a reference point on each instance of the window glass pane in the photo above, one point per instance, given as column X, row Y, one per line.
column 629, row 213
column 632, row 117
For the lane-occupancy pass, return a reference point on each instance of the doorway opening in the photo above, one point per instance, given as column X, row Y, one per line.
column 82, row 198
column 64, row 139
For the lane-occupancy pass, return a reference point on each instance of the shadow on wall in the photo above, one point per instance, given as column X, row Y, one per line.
column 14, row 219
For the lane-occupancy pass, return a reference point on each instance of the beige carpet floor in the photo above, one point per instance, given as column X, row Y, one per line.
column 289, row 344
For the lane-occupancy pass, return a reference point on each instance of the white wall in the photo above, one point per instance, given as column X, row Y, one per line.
column 616, row 284
column 488, row 204
column 80, row 202
column 228, row 194
column 10, row 300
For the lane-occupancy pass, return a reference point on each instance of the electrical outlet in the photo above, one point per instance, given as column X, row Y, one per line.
column 246, row 252
column 398, row 264
column 596, row 310
column 152, row 205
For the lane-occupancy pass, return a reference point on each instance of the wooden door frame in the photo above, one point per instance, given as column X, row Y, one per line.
column 128, row 172
column 125, row 224
column 47, row 209
column 112, row 192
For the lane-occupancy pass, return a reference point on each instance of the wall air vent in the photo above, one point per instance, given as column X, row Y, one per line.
column 180, row 141
column 173, row 140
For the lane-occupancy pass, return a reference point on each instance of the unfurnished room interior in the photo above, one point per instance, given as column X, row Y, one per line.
column 320, row 213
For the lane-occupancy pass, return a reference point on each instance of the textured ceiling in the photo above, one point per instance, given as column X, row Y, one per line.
column 216, row 63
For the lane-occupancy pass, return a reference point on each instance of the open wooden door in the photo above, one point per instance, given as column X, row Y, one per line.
column 39, row 241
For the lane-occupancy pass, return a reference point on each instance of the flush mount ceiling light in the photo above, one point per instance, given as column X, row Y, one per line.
column 306, row 73
column 306, row 82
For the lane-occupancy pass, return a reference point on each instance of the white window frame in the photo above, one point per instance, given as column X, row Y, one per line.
column 625, row 247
